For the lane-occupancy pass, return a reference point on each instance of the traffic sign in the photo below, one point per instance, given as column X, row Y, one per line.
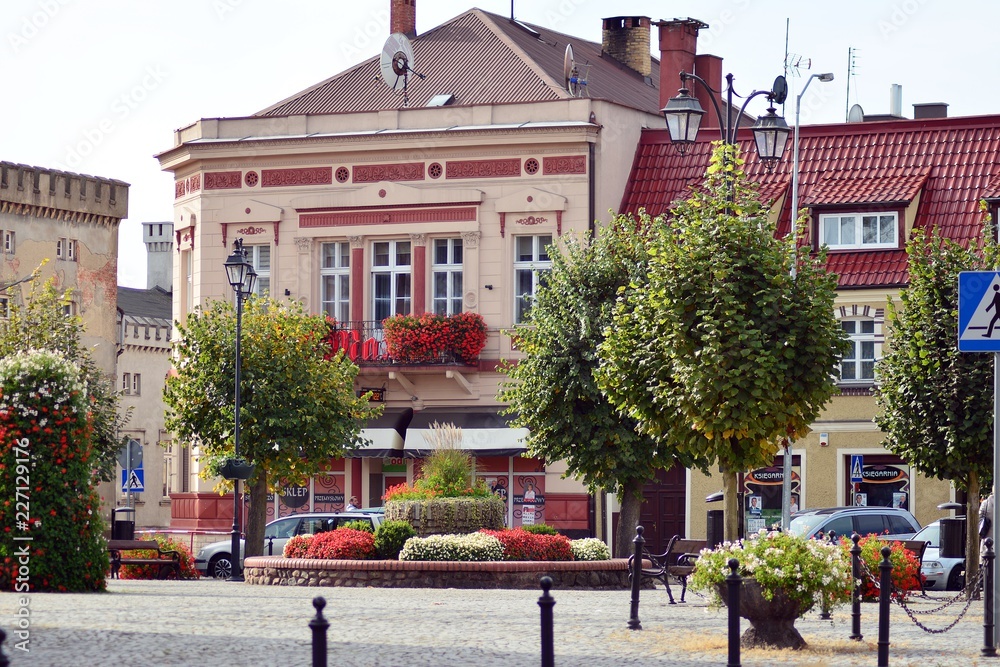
column 133, row 480
column 857, row 465
column 130, row 456
column 979, row 311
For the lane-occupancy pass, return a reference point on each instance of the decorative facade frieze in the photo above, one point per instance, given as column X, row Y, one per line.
column 223, row 180
column 564, row 164
column 387, row 216
column 506, row 168
column 471, row 239
column 373, row 173
column 272, row 178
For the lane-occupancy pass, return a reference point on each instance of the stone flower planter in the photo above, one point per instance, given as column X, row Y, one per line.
column 772, row 622
column 447, row 516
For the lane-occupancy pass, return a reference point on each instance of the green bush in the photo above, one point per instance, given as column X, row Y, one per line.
column 390, row 537
column 444, row 516
column 540, row 529
column 357, row 525
column 590, row 548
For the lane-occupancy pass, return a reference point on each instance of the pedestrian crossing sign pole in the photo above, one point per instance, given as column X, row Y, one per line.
column 979, row 331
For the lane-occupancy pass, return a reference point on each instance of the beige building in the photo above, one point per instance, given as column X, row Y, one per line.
column 71, row 221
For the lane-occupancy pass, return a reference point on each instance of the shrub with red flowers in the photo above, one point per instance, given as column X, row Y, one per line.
column 342, row 544
column 519, row 544
column 428, row 337
column 51, row 529
column 468, row 336
column 905, row 566
column 187, row 570
column 297, row 546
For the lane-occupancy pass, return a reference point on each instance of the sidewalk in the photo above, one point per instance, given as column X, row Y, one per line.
column 221, row 624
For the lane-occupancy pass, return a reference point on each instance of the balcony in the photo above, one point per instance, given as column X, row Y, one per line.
column 424, row 340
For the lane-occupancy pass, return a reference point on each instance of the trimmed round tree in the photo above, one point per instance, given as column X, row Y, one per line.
column 50, row 513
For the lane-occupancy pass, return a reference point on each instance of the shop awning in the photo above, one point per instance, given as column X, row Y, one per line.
column 485, row 432
column 385, row 435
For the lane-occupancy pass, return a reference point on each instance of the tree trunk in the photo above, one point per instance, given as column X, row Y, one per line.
column 254, row 530
column 732, row 503
column 972, row 534
column 628, row 519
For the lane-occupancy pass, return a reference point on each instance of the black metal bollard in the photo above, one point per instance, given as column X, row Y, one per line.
column 546, row 602
column 858, row 584
column 318, row 626
column 639, row 542
column 989, row 561
column 884, row 598
column 734, row 582
column 270, row 545
column 4, row 660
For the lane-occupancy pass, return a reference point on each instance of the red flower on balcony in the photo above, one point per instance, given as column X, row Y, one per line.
column 428, row 337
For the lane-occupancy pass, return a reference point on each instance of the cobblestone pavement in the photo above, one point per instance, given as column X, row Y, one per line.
column 220, row 624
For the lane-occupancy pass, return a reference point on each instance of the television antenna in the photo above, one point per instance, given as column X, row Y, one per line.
column 396, row 64
column 575, row 83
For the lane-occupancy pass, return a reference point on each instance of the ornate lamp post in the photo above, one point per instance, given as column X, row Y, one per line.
column 241, row 277
column 684, row 112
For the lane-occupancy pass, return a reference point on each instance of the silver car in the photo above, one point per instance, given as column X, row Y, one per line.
column 889, row 523
column 941, row 574
column 215, row 560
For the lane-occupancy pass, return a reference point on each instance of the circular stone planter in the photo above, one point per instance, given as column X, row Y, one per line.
column 589, row 575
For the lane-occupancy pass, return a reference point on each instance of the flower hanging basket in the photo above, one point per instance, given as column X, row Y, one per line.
column 236, row 469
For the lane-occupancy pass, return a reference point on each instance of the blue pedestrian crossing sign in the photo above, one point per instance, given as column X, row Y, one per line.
column 857, row 465
column 979, row 311
column 133, row 480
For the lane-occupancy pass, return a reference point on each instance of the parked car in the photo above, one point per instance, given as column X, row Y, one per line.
column 941, row 574
column 888, row 523
column 215, row 560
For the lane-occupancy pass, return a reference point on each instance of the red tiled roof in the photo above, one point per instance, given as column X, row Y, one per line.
column 951, row 163
column 479, row 58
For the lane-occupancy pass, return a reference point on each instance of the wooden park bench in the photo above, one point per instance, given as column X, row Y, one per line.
column 677, row 561
column 168, row 560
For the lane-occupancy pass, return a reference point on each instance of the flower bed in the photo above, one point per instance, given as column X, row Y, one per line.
column 187, row 569
column 905, row 566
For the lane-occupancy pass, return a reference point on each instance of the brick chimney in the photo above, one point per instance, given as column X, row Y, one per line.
column 626, row 39
column 403, row 17
column 678, row 43
column 709, row 68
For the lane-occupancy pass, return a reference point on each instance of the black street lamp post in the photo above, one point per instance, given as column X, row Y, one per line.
column 241, row 277
column 684, row 113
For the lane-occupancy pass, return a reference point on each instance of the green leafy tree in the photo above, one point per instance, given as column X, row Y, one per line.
column 553, row 390
column 40, row 323
column 935, row 405
column 53, row 537
column 722, row 354
column 298, row 409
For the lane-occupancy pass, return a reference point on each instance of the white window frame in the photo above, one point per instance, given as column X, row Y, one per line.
column 859, row 357
column 126, row 383
column 400, row 276
column 855, row 222
column 446, row 299
column 255, row 255
column 538, row 264
column 136, row 384
column 8, row 241
column 335, row 277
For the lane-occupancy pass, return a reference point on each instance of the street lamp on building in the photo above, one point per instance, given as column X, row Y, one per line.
column 241, row 277
column 786, row 460
column 683, row 114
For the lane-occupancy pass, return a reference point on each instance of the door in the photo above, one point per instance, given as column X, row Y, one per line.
column 662, row 513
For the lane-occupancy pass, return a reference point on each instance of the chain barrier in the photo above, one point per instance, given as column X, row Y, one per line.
column 898, row 596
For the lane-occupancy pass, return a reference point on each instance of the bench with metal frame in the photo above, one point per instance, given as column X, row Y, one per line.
column 168, row 560
column 677, row 561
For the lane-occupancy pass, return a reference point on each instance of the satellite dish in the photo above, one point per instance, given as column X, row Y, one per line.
column 396, row 63
column 779, row 91
column 856, row 114
column 575, row 83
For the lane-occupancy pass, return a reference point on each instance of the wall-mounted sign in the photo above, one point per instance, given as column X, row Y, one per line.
column 378, row 394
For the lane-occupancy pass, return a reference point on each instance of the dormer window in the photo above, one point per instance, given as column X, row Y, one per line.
column 859, row 231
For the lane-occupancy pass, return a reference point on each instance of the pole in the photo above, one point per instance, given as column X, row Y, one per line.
column 996, row 505
column 633, row 620
column 884, row 598
column 546, row 602
column 989, row 561
column 319, row 626
column 856, row 594
column 733, row 583
column 236, row 573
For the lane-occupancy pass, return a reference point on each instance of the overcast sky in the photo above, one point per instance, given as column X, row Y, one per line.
column 98, row 86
